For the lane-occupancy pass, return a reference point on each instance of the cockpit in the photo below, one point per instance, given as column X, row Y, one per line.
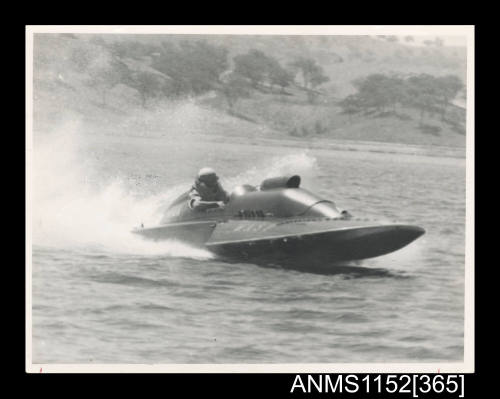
column 279, row 197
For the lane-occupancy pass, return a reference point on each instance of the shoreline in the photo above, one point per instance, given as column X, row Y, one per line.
column 379, row 147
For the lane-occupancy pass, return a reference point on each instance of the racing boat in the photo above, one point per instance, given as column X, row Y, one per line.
column 279, row 220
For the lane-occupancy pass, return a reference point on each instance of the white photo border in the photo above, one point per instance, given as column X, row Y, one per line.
column 468, row 364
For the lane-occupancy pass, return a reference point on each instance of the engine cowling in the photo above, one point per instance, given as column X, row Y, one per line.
column 292, row 181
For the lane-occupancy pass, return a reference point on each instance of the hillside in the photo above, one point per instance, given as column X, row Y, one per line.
column 344, row 58
column 62, row 91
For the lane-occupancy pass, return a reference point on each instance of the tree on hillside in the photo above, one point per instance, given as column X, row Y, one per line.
column 303, row 66
column 233, row 88
column 258, row 68
column 449, row 86
column 195, row 67
column 379, row 91
column 423, row 94
column 253, row 65
column 279, row 76
column 351, row 105
column 319, row 128
column 317, row 78
column 204, row 63
column 396, row 91
column 312, row 75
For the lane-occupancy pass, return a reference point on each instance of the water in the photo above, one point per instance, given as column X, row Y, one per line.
column 101, row 295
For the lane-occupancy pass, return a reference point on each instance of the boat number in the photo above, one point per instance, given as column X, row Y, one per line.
column 245, row 213
column 253, row 227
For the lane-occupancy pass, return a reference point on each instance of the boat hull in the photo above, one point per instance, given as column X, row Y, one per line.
column 343, row 244
column 326, row 241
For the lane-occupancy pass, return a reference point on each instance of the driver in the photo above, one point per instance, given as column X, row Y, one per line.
column 207, row 192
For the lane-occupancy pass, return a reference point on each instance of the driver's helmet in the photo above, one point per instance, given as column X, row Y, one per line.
column 208, row 176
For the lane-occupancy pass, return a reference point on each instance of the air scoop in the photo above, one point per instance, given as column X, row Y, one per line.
column 292, row 181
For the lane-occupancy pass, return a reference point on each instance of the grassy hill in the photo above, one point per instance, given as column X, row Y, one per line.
column 62, row 91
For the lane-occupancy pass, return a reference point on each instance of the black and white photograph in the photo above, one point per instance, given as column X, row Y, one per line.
column 250, row 198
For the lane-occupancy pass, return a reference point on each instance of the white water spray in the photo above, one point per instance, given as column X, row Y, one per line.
column 74, row 208
column 70, row 210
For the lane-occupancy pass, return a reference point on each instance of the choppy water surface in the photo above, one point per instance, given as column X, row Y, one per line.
column 101, row 295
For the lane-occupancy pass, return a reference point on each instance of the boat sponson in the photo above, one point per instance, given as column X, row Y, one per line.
column 331, row 241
